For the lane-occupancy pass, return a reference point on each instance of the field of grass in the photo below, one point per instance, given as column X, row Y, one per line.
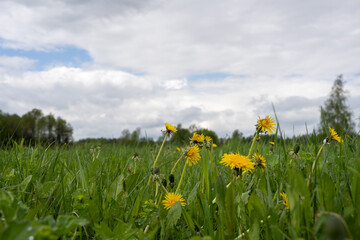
column 86, row 191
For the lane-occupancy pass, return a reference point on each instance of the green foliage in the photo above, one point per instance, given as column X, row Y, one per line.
column 335, row 112
column 181, row 137
column 34, row 127
column 87, row 191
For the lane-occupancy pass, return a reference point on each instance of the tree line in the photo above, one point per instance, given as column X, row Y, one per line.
column 34, row 127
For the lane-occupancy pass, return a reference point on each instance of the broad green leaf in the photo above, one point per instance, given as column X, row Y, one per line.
column 245, row 197
column 254, row 231
column 174, row 214
column 116, row 187
column 25, row 183
column 193, row 193
column 18, row 231
column 65, row 223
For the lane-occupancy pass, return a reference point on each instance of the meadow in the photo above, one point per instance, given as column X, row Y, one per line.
column 269, row 188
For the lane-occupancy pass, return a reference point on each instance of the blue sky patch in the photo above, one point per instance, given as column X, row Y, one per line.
column 64, row 56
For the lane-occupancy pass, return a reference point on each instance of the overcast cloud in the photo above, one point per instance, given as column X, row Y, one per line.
column 217, row 64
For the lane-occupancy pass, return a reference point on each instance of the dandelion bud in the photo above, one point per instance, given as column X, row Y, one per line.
column 171, row 178
column 164, row 182
column 296, row 148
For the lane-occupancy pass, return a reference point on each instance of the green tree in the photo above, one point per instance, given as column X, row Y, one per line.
column 63, row 131
column 10, row 127
column 335, row 112
column 209, row 133
column 181, row 137
column 51, row 123
column 237, row 135
column 30, row 124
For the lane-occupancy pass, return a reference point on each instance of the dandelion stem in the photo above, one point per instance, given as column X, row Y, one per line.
column 177, row 162
column 157, row 189
column 157, row 157
column 253, row 142
column 181, row 178
column 165, row 190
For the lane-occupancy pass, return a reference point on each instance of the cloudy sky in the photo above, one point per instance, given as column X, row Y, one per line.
column 106, row 66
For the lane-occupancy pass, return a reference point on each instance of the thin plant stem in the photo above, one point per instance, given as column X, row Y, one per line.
column 181, row 178
column 177, row 162
column 157, row 188
column 315, row 161
column 253, row 143
column 162, row 145
column 163, row 188
column 157, row 157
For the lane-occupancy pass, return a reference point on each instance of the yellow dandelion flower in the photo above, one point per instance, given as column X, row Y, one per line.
column 178, row 149
column 237, row 161
column 170, row 128
column 192, row 155
column 214, row 145
column 335, row 136
column 198, row 138
column 171, row 199
column 208, row 138
column 259, row 161
column 266, row 125
column 285, row 200
column 272, row 143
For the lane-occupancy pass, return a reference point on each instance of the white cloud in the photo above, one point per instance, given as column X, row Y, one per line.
column 180, row 38
column 284, row 52
column 102, row 103
column 15, row 63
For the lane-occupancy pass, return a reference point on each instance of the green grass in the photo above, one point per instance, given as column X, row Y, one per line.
column 85, row 191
